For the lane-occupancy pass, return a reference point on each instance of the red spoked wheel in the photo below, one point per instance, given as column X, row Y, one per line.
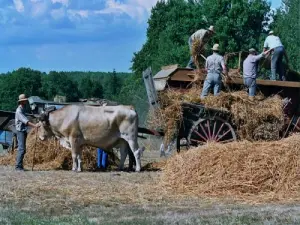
column 207, row 130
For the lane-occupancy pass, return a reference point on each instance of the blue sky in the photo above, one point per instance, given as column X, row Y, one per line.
column 68, row 35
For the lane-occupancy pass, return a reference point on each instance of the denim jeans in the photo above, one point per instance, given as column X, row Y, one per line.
column 276, row 63
column 21, row 136
column 251, row 84
column 212, row 80
column 191, row 63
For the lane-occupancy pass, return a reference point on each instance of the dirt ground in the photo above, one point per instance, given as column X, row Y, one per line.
column 66, row 197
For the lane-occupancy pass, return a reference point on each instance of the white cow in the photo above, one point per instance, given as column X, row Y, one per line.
column 104, row 127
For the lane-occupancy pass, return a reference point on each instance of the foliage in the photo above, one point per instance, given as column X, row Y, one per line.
column 286, row 26
column 73, row 85
column 239, row 26
column 90, row 88
column 23, row 80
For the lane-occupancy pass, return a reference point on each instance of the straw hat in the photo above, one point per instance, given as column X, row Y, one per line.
column 211, row 28
column 215, row 47
column 22, row 98
column 251, row 50
column 271, row 32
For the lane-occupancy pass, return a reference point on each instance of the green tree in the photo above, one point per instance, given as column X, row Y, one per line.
column 23, row 80
column 58, row 83
column 286, row 26
column 238, row 23
column 89, row 88
column 113, row 85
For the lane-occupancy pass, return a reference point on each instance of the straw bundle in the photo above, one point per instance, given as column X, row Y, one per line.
column 258, row 171
column 50, row 155
column 197, row 50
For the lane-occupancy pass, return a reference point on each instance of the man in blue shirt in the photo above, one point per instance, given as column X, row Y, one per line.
column 214, row 66
column 250, row 68
column 21, row 123
column 274, row 42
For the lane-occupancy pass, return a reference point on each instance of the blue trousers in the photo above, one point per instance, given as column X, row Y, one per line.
column 276, row 63
column 212, row 80
column 251, row 84
column 21, row 137
column 191, row 63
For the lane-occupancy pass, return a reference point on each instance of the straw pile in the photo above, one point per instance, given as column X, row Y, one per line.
column 50, row 155
column 258, row 120
column 257, row 172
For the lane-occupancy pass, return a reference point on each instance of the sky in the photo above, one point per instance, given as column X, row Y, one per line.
column 73, row 35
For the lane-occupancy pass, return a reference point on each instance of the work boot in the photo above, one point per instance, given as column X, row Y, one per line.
column 251, row 98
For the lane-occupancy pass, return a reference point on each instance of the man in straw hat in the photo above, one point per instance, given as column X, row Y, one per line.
column 214, row 66
column 203, row 36
column 250, row 67
column 21, row 123
column 274, row 42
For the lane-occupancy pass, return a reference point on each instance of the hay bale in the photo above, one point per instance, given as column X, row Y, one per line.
column 50, row 155
column 257, row 172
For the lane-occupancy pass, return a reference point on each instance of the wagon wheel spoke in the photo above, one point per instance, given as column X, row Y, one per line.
column 219, row 138
column 202, row 128
column 198, row 141
column 196, row 132
column 214, row 130
column 208, row 127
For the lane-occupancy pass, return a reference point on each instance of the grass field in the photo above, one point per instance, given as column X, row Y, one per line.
column 65, row 197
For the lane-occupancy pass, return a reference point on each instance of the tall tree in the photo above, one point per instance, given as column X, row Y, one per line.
column 113, row 85
column 238, row 24
column 58, row 83
column 286, row 25
column 23, row 80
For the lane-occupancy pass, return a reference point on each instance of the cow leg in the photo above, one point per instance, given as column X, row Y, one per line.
column 123, row 153
column 74, row 158
column 79, row 154
column 76, row 155
column 137, row 154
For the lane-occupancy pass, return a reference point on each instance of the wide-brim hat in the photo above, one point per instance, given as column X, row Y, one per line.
column 215, row 47
column 212, row 29
column 22, row 98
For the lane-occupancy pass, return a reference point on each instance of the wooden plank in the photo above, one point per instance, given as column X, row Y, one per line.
column 239, row 80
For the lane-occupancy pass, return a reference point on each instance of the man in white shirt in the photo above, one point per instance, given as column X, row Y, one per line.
column 274, row 42
column 202, row 35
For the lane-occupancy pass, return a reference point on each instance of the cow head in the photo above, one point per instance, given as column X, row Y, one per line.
column 45, row 130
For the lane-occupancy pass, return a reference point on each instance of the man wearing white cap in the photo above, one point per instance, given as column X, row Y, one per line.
column 203, row 36
column 250, row 67
column 214, row 66
column 21, row 123
column 274, row 42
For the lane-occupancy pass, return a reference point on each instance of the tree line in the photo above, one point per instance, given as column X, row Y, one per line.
column 73, row 85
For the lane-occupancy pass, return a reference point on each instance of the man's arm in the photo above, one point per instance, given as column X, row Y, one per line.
column 266, row 45
column 224, row 66
column 24, row 119
column 261, row 55
column 206, row 64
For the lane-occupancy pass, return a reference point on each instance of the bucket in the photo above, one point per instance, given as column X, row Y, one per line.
column 101, row 158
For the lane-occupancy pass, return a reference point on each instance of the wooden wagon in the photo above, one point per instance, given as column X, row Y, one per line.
column 201, row 124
